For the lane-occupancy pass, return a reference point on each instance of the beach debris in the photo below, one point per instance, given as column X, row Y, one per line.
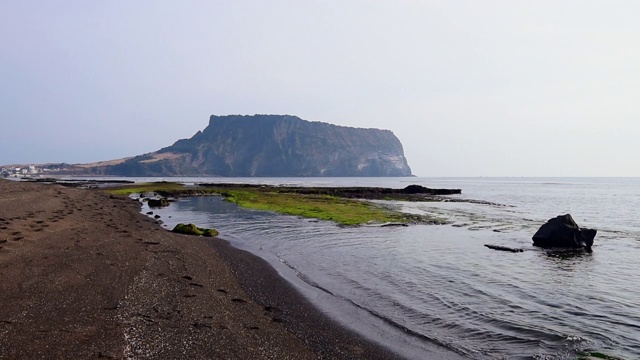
column 563, row 232
column 191, row 229
column 503, row 248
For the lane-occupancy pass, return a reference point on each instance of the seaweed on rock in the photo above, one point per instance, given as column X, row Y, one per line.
column 191, row 229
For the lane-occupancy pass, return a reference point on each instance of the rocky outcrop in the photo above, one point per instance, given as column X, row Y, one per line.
column 418, row 189
column 409, row 193
column 563, row 232
column 162, row 202
column 271, row 145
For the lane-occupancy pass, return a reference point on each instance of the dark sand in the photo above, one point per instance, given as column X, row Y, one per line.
column 84, row 275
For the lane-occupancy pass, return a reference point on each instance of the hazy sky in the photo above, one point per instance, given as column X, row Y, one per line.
column 471, row 88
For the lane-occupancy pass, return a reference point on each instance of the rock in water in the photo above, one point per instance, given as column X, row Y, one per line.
column 563, row 232
column 503, row 248
column 158, row 202
column 191, row 229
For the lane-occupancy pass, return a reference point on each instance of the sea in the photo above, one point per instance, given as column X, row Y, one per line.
column 435, row 291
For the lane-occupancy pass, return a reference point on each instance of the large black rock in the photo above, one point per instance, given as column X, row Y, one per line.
column 563, row 232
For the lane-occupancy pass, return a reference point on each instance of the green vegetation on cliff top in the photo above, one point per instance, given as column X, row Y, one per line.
column 323, row 207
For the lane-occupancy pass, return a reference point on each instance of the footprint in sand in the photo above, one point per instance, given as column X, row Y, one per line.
column 272, row 309
column 199, row 325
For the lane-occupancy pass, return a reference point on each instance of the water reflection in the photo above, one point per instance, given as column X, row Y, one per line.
column 568, row 255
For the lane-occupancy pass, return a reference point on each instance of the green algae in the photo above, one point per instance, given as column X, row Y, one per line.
column 592, row 355
column 290, row 201
column 323, row 207
column 141, row 188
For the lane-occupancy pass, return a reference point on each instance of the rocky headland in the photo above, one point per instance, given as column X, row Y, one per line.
column 268, row 146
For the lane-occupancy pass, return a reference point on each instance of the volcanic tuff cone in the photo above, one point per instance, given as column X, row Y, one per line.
column 271, row 145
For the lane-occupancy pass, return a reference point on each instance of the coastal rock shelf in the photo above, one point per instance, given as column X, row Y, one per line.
column 336, row 204
column 409, row 193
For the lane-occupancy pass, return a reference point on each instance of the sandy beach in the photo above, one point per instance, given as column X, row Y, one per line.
column 84, row 275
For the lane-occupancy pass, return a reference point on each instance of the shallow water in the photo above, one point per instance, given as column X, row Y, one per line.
column 439, row 284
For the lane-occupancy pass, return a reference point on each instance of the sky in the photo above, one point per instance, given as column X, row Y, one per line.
column 471, row 88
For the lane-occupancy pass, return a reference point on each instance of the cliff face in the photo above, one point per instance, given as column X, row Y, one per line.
column 273, row 145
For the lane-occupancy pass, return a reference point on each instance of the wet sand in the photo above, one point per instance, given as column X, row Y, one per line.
column 84, row 275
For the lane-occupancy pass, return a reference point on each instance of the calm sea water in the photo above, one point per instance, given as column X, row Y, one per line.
column 436, row 286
